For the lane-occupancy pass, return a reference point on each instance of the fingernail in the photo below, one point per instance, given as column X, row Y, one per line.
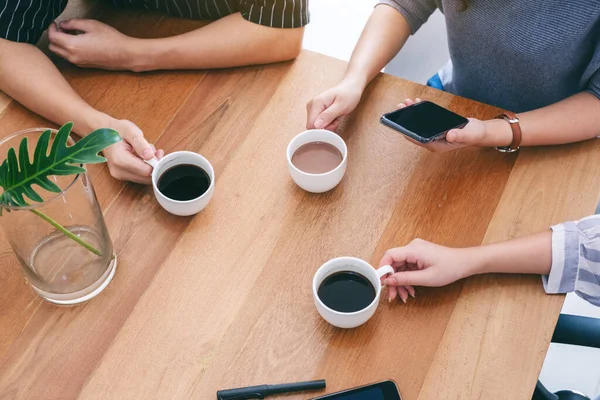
column 403, row 300
column 390, row 299
column 147, row 154
column 450, row 136
column 413, row 295
column 318, row 123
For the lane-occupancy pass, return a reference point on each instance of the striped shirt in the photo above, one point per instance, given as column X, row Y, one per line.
column 26, row 20
column 576, row 259
column 516, row 54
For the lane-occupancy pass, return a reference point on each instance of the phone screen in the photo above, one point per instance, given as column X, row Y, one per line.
column 426, row 119
column 379, row 391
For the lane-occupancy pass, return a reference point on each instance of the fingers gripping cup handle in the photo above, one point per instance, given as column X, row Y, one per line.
column 153, row 162
column 385, row 270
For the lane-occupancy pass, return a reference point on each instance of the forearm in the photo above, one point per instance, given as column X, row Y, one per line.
column 383, row 37
column 573, row 119
column 29, row 77
column 228, row 42
column 526, row 255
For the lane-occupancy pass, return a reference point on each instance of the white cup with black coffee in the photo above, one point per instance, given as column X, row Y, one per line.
column 183, row 182
column 317, row 160
column 346, row 291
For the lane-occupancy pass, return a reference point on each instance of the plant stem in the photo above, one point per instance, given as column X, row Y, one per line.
column 67, row 233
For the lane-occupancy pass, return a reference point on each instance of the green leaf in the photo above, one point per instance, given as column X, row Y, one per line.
column 19, row 173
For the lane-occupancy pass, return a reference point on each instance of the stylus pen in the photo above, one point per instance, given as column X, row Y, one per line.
column 262, row 391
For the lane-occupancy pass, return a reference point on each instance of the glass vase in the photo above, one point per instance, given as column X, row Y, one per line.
column 62, row 243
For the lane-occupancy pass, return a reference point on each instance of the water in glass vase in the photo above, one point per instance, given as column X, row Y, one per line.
column 58, row 265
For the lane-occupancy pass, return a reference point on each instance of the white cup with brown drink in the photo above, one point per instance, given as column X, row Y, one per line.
column 317, row 160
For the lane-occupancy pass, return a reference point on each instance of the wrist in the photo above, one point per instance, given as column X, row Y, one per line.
column 92, row 120
column 356, row 79
column 498, row 133
column 475, row 261
column 140, row 54
column 89, row 119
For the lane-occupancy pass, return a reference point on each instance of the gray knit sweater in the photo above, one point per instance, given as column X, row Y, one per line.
column 517, row 54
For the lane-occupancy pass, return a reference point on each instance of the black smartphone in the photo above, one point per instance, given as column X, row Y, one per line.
column 424, row 121
column 386, row 390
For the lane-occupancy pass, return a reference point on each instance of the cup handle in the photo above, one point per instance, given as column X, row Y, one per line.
column 153, row 162
column 385, row 270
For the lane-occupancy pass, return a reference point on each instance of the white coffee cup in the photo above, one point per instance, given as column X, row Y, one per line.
column 352, row 319
column 179, row 207
column 317, row 183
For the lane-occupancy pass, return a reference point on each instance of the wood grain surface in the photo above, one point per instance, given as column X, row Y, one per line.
column 224, row 299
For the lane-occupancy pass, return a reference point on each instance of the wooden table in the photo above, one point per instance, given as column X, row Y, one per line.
column 224, row 299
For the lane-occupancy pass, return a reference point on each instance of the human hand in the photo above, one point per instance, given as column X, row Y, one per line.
column 91, row 44
column 325, row 110
column 472, row 134
column 422, row 263
column 123, row 158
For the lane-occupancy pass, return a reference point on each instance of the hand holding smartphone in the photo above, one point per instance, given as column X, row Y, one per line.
column 424, row 121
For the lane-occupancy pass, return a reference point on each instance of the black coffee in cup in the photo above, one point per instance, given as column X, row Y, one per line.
column 184, row 182
column 346, row 291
